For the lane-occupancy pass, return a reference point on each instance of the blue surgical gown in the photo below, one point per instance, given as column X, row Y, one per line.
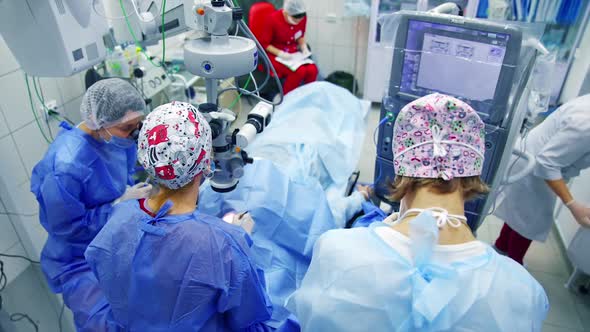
column 75, row 184
column 189, row 272
column 289, row 218
column 358, row 282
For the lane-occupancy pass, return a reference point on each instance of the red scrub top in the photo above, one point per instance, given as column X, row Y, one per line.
column 281, row 34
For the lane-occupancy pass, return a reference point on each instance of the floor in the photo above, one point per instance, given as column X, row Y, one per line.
column 547, row 262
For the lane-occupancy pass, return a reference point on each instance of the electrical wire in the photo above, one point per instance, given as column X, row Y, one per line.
column 239, row 96
column 61, row 315
column 261, row 52
column 137, row 12
column 21, row 257
column 377, row 128
column 41, row 96
column 33, row 109
column 17, row 317
column 62, row 118
column 502, row 186
column 3, row 280
column 266, row 60
column 163, row 32
column 255, row 84
column 128, row 22
column 137, row 43
column 104, row 15
column 17, row 214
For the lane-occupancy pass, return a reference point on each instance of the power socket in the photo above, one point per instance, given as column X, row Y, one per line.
column 50, row 108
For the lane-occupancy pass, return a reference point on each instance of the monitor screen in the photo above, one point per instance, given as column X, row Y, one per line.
column 453, row 60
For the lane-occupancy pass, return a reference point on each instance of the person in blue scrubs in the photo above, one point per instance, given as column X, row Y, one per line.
column 83, row 173
column 163, row 265
column 422, row 268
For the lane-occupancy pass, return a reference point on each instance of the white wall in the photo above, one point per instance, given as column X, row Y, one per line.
column 579, row 70
column 21, row 147
column 336, row 40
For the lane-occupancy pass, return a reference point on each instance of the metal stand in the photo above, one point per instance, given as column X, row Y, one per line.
column 572, row 278
column 211, row 86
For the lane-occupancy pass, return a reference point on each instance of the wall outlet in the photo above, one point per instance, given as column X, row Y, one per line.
column 50, row 108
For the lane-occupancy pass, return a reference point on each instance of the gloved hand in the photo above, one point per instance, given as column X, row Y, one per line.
column 138, row 191
column 580, row 212
column 367, row 191
column 285, row 55
column 243, row 220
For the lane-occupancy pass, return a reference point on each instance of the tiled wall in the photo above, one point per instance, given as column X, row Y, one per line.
column 22, row 145
column 337, row 40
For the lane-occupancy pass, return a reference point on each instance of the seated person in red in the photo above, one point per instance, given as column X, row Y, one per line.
column 284, row 37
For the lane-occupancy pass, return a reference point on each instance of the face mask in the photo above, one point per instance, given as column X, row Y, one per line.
column 123, row 143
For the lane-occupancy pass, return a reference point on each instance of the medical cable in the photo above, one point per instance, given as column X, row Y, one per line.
column 163, row 31
column 21, row 257
column 41, row 97
column 248, row 92
column 42, row 102
column 61, row 315
column 388, row 116
column 266, row 60
column 255, row 84
column 17, row 214
column 137, row 12
column 266, row 64
column 33, row 109
column 262, row 52
column 239, row 96
column 377, row 128
column 48, row 112
column 502, row 186
column 104, row 15
column 15, row 317
column 137, row 43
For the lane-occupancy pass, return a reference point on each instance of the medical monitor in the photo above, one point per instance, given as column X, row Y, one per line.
column 54, row 38
column 468, row 59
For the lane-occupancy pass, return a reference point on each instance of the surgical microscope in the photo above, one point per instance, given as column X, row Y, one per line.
column 215, row 55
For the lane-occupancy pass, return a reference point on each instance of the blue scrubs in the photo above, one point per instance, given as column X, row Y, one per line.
column 289, row 218
column 189, row 272
column 75, row 184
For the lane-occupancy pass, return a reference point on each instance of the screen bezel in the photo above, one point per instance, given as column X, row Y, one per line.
column 499, row 105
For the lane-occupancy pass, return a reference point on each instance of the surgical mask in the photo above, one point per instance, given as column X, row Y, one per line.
column 123, row 143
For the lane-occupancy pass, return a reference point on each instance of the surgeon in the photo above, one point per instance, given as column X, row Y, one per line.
column 284, row 37
column 422, row 269
column 85, row 171
column 164, row 266
column 561, row 146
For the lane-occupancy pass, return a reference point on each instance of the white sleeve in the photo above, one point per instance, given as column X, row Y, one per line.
column 569, row 144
